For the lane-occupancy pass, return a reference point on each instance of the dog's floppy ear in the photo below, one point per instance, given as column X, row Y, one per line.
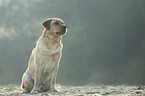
column 46, row 23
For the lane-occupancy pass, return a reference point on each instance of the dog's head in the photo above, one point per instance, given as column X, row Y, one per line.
column 55, row 25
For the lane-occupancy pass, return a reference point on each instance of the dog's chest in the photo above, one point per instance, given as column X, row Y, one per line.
column 49, row 49
column 49, row 63
column 49, row 54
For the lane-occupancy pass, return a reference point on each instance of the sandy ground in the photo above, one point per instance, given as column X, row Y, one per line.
column 101, row 90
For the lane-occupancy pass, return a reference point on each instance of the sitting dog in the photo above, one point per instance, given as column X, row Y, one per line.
column 43, row 64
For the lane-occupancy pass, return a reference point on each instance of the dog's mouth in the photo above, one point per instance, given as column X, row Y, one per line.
column 60, row 33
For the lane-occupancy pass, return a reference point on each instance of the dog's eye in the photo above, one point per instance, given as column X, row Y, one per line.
column 56, row 23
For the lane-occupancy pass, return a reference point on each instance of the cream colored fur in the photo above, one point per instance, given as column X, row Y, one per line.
column 44, row 61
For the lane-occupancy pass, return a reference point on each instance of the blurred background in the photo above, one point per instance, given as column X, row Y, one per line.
column 105, row 42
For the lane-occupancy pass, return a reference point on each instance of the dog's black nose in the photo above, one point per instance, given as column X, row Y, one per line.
column 64, row 28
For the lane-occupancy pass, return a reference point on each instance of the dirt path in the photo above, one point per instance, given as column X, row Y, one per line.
column 13, row 90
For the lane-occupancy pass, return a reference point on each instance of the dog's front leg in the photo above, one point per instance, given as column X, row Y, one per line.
column 37, row 80
column 38, row 73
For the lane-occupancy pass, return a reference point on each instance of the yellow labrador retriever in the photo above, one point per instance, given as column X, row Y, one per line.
column 41, row 73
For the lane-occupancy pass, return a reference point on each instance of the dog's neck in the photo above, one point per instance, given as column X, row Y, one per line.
column 52, row 42
column 51, row 36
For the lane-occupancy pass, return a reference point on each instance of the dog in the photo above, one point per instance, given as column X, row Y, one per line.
column 43, row 64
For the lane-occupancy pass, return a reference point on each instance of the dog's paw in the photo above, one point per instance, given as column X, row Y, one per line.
column 34, row 92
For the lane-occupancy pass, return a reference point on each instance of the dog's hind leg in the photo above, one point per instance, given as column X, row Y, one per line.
column 27, row 83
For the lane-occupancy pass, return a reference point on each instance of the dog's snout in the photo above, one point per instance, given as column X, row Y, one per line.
column 64, row 28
